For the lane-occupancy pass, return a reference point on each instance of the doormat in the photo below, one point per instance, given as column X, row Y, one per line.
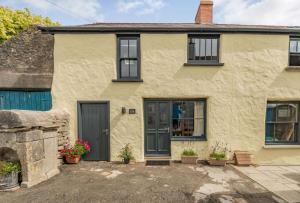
column 157, row 162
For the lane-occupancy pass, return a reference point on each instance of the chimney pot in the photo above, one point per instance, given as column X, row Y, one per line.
column 205, row 12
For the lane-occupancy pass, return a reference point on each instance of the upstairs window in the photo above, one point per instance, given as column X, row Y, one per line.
column 128, row 58
column 203, row 49
column 282, row 123
column 295, row 52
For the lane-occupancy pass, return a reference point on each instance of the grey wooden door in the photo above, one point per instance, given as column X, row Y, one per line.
column 157, row 128
column 94, row 127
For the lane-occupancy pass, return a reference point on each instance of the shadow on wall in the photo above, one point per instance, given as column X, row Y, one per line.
column 196, row 73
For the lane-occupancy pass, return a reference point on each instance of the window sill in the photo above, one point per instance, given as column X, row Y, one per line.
column 203, row 64
column 188, row 138
column 281, row 146
column 118, row 80
column 292, row 68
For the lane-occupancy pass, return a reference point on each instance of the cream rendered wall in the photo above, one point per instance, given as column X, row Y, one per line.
column 236, row 93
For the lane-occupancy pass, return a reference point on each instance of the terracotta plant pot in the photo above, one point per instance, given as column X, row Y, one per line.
column 73, row 159
column 214, row 162
column 189, row 159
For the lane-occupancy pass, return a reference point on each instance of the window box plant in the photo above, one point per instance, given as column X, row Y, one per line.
column 126, row 154
column 189, row 156
column 9, row 175
column 218, row 156
column 72, row 154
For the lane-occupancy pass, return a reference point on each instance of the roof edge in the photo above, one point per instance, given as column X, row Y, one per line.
column 76, row 29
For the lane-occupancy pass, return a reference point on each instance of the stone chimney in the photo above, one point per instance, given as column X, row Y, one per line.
column 205, row 12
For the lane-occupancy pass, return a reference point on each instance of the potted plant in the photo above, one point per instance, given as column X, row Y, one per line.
column 189, row 156
column 126, row 154
column 218, row 156
column 72, row 154
column 9, row 174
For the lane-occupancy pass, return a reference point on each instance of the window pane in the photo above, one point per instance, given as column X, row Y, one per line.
column 191, row 49
column 285, row 132
column 208, row 49
column 133, row 48
column 125, row 68
column 163, row 115
column 198, row 127
column 202, row 49
column 293, row 46
column 298, row 47
column 151, row 116
column 197, row 49
column 133, row 68
column 270, row 129
column 214, row 47
column 124, row 48
column 286, row 112
column 271, row 112
column 295, row 60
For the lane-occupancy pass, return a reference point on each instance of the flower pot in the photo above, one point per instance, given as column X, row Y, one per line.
column 9, row 181
column 189, row 159
column 126, row 161
column 214, row 162
column 73, row 159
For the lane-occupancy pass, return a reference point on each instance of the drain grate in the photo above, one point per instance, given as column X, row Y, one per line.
column 157, row 162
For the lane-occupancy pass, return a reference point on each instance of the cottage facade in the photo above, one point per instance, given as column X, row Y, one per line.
column 164, row 88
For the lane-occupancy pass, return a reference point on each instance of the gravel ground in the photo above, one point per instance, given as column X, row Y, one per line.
column 107, row 182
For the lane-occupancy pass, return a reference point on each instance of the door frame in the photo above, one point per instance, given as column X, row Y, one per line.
column 79, row 120
column 170, row 120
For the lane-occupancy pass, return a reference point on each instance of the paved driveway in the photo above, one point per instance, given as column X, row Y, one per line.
column 106, row 182
column 281, row 180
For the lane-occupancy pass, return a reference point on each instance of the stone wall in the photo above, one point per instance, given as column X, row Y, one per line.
column 26, row 61
column 34, row 136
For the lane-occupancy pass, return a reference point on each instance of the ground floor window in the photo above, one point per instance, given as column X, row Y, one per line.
column 282, row 123
column 188, row 118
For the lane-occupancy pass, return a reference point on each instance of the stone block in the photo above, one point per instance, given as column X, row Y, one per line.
column 49, row 134
column 37, row 150
column 8, row 140
column 50, row 161
column 30, row 136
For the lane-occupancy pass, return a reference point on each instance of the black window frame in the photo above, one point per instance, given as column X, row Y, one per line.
column 204, row 62
column 119, row 59
column 297, row 141
column 189, row 138
column 294, row 38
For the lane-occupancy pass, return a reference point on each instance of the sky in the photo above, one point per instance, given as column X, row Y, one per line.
column 75, row 12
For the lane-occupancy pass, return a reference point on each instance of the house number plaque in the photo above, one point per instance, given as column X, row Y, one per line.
column 131, row 111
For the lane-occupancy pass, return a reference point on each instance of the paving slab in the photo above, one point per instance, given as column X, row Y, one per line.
column 283, row 181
